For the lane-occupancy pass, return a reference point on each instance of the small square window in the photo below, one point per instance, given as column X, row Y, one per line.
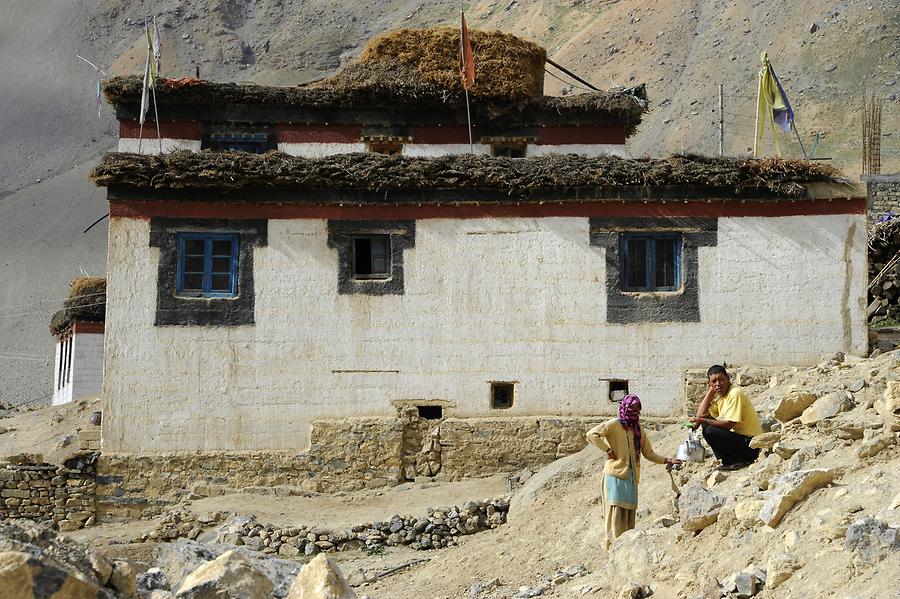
column 430, row 412
column 618, row 389
column 238, row 138
column 650, row 262
column 508, row 150
column 502, row 395
column 371, row 256
column 207, row 264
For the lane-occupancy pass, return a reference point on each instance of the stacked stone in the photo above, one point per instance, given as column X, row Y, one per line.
column 884, row 293
column 428, row 462
column 56, row 496
column 438, row 528
column 182, row 523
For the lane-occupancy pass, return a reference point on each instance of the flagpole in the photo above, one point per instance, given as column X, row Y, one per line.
column 756, row 134
column 156, row 116
column 794, row 127
column 469, row 117
column 141, row 116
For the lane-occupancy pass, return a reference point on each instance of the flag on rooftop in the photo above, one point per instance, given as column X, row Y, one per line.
column 772, row 106
column 466, row 59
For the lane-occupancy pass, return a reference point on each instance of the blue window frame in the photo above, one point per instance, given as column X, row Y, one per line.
column 207, row 264
column 650, row 261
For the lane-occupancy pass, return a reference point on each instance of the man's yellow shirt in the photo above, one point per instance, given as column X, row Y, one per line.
column 736, row 407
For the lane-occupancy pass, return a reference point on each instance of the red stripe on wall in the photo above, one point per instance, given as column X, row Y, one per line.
column 443, row 135
column 553, row 135
column 712, row 209
column 300, row 133
column 85, row 327
column 168, row 130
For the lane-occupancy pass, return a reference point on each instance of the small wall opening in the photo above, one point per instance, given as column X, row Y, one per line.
column 502, row 395
column 430, row 412
column 618, row 389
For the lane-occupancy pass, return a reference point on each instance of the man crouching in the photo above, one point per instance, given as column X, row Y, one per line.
column 728, row 420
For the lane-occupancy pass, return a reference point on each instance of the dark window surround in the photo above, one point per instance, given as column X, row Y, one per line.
column 624, row 307
column 651, row 260
column 340, row 237
column 240, row 137
column 175, row 310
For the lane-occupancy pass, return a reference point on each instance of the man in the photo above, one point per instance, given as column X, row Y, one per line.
column 728, row 421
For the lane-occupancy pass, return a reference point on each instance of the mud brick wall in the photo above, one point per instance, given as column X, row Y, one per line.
column 884, row 195
column 57, row 496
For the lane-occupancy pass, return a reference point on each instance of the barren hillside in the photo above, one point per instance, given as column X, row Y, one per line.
column 50, row 132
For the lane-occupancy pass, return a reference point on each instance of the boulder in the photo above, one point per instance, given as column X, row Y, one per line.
column 785, row 450
column 23, row 576
column 779, row 568
column 792, row 405
column 638, row 555
column 101, row 566
column 763, row 471
column 230, row 575
column 889, row 404
column 791, row 488
column 765, row 440
column 698, row 507
column 321, row 579
column 123, row 578
column 827, row 407
column 181, row 557
column 634, row 591
column 746, row 512
column 871, row 540
column 875, row 445
column 153, row 579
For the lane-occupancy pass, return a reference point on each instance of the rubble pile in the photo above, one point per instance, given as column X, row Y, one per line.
column 884, row 271
column 439, row 528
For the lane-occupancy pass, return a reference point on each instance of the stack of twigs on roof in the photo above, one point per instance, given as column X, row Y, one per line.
column 86, row 301
column 517, row 177
column 884, row 270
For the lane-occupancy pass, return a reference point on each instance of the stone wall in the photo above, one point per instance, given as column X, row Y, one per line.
column 345, row 455
column 58, row 496
column 884, row 194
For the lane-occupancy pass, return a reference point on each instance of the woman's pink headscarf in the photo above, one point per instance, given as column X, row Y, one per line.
column 630, row 419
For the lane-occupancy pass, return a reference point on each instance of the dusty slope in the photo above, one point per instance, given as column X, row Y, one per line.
column 681, row 48
column 556, row 521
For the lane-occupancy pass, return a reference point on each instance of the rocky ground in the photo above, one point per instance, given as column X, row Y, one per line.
column 818, row 515
column 828, row 53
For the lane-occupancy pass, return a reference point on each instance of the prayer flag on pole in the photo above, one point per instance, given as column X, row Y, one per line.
column 157, row 53
column 99, row 90
column 772, row 106
column 466, row 59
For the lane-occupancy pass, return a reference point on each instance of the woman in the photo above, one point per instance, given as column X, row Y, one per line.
column 624, row 441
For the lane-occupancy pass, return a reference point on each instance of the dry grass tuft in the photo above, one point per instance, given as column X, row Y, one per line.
column 86, row 301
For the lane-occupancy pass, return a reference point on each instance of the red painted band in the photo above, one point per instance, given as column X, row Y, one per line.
column 300, row 133
column 86, row 327
column 711, row 209
column 168, row 130
column 554, row 135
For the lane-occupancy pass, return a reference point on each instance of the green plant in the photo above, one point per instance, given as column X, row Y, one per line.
column 376, row 549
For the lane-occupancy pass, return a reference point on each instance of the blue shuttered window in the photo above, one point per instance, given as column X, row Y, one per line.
column 650, row 262
column 207, row 264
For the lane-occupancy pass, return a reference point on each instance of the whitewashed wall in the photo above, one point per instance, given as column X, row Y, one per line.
column 86, row 377
column 486, row 300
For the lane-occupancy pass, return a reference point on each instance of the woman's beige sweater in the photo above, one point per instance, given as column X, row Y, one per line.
column 612, row 435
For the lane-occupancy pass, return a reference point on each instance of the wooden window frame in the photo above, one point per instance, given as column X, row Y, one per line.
column 650, row 261
column 206, row 289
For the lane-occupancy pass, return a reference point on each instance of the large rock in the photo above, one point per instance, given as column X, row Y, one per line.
column 889, row 404
column 23, row 576
column 779, row 568
column 183, row 556
column 698, row 507
column 791, row 488
column 124, row 578
column 321, row 579
column 763, row 471
column 871, row 540
column 229, row 576
column 765, row 440
column 153, row 579
column 638, row 555
column 746, row 512
column 827, row 407
column 875, row 445
column 792, row 405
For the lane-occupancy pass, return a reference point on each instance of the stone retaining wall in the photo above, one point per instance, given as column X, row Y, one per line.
column 55, row 495
column 344, row 455
column 884, row 194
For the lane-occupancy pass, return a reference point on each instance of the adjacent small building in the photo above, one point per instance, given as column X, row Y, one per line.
column 78, row 329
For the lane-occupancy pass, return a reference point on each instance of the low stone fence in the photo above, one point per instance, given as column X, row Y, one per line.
column 55, row 495
column 344, row 455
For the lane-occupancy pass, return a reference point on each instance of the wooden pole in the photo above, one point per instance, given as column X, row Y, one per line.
column 571, row 74
column 721, row 122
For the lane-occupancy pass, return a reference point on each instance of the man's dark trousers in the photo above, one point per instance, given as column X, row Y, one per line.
column 729, row 447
